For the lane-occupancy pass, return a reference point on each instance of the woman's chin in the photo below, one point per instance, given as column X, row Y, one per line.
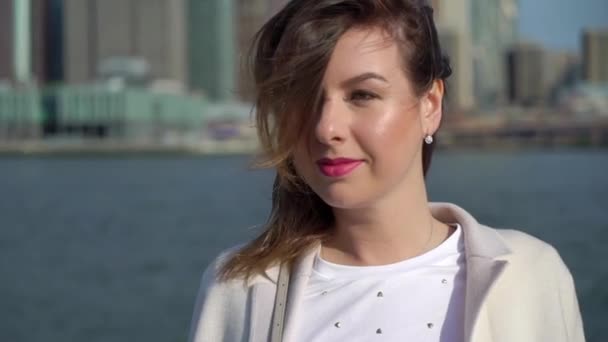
column 342, row 198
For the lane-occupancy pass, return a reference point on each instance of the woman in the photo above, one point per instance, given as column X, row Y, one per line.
column 350, row 96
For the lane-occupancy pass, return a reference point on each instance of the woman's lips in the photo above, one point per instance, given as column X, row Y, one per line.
column 337, row 167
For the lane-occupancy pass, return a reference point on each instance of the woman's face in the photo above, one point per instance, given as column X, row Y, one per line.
column 366, row 142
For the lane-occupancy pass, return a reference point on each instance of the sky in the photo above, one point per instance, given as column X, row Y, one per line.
column 557, row 24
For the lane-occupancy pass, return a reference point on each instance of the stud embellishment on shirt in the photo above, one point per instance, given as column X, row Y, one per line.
column 444, row 281
column 430, row 325
column 380, row 294
column 338, row 325
column 379, row 331
column 323, row 293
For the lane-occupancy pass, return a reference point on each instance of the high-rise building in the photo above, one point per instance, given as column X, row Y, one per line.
column 453, row 22
column 595, row 56
column 526, row 78
column 6, row 41
column 494, row 30
column 22, row 41
column 221, row 34
column 561, row 72
column 212, row 48
column 252, row 14
column 98, row 32
column 53, row 37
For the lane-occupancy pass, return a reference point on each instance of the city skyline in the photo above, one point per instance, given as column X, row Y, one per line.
column 157, row 70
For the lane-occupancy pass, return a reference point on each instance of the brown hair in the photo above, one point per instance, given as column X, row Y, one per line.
column 290, row 55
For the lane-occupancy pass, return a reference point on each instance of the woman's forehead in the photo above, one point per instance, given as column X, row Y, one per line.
column 362, row 50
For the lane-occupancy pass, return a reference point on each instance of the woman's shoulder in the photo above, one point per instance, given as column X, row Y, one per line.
column 521, row 242
column 536, row 273
column 212, row 276
column 531, row 251
column 212, row 273
column 220, row 304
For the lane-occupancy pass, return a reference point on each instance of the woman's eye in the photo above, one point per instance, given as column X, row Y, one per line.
column 361, row 95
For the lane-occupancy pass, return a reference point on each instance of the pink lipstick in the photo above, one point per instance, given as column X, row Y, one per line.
column 338, row 167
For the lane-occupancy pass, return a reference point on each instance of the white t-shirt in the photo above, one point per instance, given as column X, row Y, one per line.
column 420, row 299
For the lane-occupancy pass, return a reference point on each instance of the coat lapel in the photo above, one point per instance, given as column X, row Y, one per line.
column 481, row 275
column 297, row 284
column 262, row 290
column 483, row 247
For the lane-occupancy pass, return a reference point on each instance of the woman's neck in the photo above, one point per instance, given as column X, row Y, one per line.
column 395, row 229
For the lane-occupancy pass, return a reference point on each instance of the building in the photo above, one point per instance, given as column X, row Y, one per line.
column 526, row 77
column 452, row 18
column 561, row 73
column 22, row 67
column 23, row 47
column 125, row 114
column 6, row 41
column 21, row 114
column 221, row 34
column 252, row 14
column 595, row 56
column 53, row 41
column 152, row 31
column 494, row 31
column 212, row 48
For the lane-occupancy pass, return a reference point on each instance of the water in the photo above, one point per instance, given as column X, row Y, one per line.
column 112, row 249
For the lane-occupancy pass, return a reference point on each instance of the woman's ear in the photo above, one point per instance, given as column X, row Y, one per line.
column 432, row 107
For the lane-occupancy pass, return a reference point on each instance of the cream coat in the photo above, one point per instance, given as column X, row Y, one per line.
column 517, row 290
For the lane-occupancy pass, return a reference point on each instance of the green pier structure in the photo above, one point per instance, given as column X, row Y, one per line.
column 127, row 114
column 21, row 114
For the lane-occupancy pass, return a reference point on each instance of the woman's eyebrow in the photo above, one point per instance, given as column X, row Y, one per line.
column 362, row 77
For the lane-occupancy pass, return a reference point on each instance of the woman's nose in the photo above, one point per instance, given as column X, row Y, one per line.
column 332, row 125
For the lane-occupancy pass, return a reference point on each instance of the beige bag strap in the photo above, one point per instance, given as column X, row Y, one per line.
column 280, row 301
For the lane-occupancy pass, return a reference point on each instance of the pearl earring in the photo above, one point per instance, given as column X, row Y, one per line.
column 428, row 139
